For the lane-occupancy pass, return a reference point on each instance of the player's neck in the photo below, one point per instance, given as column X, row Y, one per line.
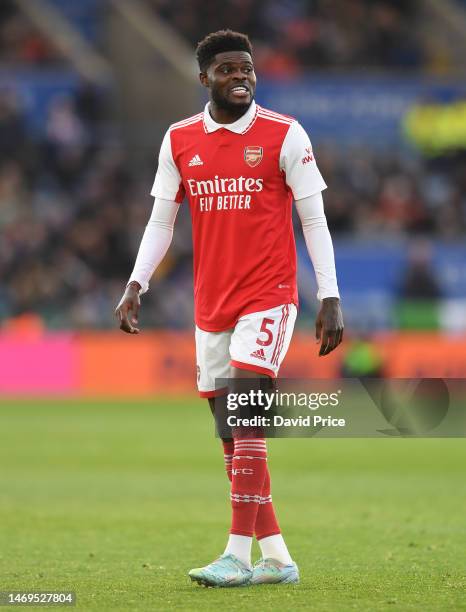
column 221, row 115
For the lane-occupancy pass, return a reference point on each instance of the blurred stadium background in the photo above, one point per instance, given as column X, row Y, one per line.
column 87, row 90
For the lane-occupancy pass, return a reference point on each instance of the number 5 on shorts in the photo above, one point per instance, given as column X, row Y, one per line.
column 266, row 331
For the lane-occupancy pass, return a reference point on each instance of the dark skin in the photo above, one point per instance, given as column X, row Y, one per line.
column 227, row 71
column 329, row 322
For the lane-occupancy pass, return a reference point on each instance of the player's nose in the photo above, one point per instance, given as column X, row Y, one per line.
column 239, row 76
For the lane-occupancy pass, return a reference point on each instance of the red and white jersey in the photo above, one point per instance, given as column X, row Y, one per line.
column 240, row 180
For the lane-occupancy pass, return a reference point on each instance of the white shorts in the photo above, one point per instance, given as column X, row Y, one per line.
column 259, row 342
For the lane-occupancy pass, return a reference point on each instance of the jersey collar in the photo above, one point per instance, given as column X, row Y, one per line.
column 240, row 126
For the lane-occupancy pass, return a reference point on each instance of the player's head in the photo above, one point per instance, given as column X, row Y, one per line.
column 227, row 70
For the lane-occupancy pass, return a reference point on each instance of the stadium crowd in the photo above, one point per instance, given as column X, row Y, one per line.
column 71, row 217
column 72, row 211
column 72, row 214
column 21, row 42
column 291, row 36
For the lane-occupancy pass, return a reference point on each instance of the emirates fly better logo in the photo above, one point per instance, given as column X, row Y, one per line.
column 253, row 156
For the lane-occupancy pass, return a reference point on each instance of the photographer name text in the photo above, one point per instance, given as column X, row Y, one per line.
column 279, row 421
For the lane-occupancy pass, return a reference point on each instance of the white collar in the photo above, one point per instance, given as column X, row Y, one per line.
column 239, row 126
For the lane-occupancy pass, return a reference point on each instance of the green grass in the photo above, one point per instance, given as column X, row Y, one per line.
column 117, row 500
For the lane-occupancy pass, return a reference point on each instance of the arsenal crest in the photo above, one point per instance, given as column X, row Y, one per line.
column 253, row 156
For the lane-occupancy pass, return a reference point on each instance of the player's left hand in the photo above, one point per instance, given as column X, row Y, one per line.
column 329, row 326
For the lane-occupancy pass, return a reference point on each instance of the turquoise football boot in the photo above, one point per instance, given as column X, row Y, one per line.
column 226, row 571
column 270, row 571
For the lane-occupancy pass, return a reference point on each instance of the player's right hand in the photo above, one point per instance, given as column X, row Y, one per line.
column 128, row 309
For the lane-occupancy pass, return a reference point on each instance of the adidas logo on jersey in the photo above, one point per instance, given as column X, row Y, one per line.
column 196, row 161
column 259, row 354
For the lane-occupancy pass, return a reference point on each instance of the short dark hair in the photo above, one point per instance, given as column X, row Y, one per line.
column 219, row 42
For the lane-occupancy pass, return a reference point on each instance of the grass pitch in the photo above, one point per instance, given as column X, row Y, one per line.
column 118, row 500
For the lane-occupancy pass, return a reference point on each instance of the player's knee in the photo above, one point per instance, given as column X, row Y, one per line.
column 248, row 432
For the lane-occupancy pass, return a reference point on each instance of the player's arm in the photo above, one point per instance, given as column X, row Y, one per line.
column 329, row 322
column 168, row 193
column 153, row 248
column 305, row 181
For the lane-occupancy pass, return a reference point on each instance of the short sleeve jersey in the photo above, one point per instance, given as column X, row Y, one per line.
column 240, row 180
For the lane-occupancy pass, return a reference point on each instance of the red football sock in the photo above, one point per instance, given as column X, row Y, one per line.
column 266, row 521
column 248, row 474
column 228, row 449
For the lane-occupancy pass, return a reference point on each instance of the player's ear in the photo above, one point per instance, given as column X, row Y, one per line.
column 204, row 79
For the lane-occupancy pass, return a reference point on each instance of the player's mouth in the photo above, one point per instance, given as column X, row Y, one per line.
column 240, row 92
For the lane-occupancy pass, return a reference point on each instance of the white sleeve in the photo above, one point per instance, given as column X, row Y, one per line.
column 167, row 182
column 319, row 244
column 155, row 242
column 299, row 165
